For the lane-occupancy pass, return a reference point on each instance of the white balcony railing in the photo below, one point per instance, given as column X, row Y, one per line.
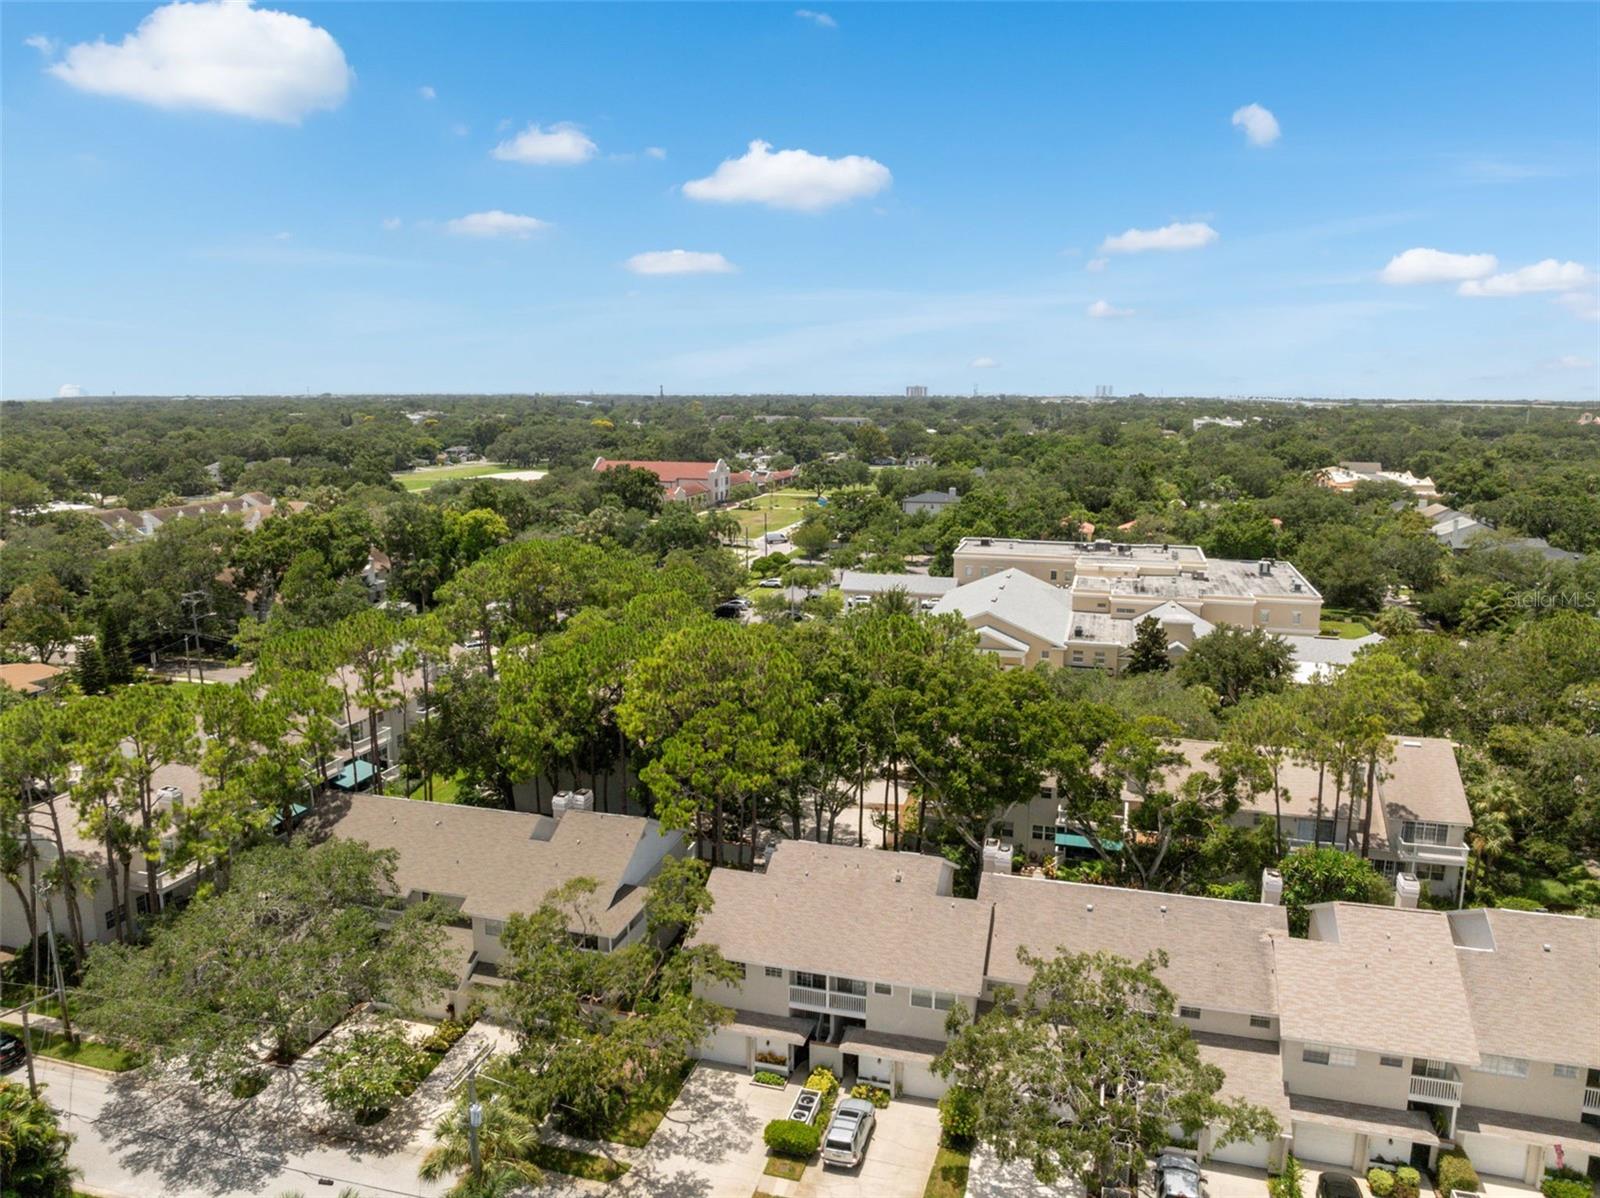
column 1591, row 1100
column 1442, row 854
column 1436, row 1089
column 807, row 997
column 847, row 1002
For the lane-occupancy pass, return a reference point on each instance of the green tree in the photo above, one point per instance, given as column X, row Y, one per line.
column 1312, row 876
column 1096, row 1035
column 297, row 940
column 813, row 536
column 1236, row 663
column 368, row 1071
column 506, row 1142
column 37, row 616
column 33, row 1148
column 1148, row 653
column 1262, row 737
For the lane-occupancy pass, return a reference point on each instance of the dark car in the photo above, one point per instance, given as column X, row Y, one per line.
column 1337, row 1185
column 12, row 1053
column 1177, row 1176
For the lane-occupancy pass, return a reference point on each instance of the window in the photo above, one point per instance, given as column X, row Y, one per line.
column 847, row 986
column 1424, row 832
column 1262, row 1021
column 1266, row 616
column 1328, row 1054
column 1188, row 1012
column 1565, row 1071
column 932, row 1000
column 773, row 971
column 1502, row 1066
column 492, row 928
column 882, row 988
column 1390, row 1062
column 738, row 968
column 1427, row 872
column 1052, row 576
column 968, row 570
column 1047, row 792
column 1005, row 830
column 1297, row 617
column 812, row 981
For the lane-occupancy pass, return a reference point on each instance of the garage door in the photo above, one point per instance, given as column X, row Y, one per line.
column 730, row 1048
column 1243, row 1152
column 1324, row 1145
column 1495, row 1156
column 918, row 1081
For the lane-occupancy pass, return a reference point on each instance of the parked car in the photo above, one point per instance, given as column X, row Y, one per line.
column 1177, row 1176
column 727, row 611
column 12, row 1053
column 771, row 583
column 1337, row 1185
column 845, row 1142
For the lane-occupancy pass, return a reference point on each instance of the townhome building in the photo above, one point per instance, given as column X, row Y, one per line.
column 700, row 484
column 489, row 864
column 1420, row 821
column 850, row 958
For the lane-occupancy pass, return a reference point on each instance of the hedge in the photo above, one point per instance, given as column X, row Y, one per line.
column 1455, row 1172
column 790, row 1137
column 768, row 1078
column 1565, row 1187
column 1381, row 1182
column 876, row 1095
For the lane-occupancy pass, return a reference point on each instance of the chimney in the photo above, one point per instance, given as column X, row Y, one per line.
column 1271, row 888
column 952, row 490
column 1264, row 566
column 1407, row 890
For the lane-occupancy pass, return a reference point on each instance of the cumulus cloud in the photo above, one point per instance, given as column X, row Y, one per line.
column 793, row 179
column 69, row 391
column 820, row 19
column 562, row 144
column 495, row 223
column 654, row 152
column 1548, row 275
column 427, row 93
column 1101, row 310
column 1583, row 305
column 1436, row 266
column 220, row 55
column 1190, row 236
column 1259, row 125
column 984, row 364
column 45, row 45
column 391, row 223
column 679, row 262
column 1096, row 264
column 1573, row 362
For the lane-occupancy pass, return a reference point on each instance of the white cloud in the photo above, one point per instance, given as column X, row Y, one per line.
column 1583, row 305
column 1573, row 362
column 45, row 45
column 563, row 144
column 1101, row 310
column 679, row 262
column 984, row 364
column 1096, row 264
column 69, row 391
column 1259, row 125
column 793, row 179
column 391, row 223
column 654, row 152
column 1548, row 275
column 1436, row 266
column 460, row 129
column 1191, row 236
column 495, row 223
column 821, row 19
column 427, row 93
column 220, row 55
column 284, row 236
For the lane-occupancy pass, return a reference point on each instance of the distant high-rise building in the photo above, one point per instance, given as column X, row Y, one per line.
column 916, row 393
column 1105, row 391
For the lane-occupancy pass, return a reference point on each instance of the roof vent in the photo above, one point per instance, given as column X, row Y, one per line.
column 1088, row 906
column 1163, row 908
column 1412, row 744
column 1547, row 948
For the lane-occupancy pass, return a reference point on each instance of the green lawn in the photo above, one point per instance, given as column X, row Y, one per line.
column 85, row 1052
column 577, row 1164
column 772, row 511
column 445, row 790
column 1349, row 630
column 421, row 480
column 948, row 1177
column 645, row 1110
column 782, row 1166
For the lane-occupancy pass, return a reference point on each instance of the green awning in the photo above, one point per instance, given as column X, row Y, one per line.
column 296, row 811
column 1071, row 840
column 353, row 775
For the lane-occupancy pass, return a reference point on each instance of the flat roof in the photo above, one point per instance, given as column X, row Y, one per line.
column 1188, row 555
column 916, row 585
column 1220, row 578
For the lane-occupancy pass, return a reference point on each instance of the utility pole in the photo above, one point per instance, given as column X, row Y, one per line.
column 474, row 1120
column 191, row 603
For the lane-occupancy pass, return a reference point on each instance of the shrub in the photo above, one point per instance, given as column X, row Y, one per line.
column 958, row 1118
column 1565, row 1187
column 1405, row 1175
column 876, row 1095
column 768, row 1078
column 1287, row 1184
column 442, row 1038
column 1381, row 1182
column 1455, row 1172
column 790, row 1137
column 822, row 1079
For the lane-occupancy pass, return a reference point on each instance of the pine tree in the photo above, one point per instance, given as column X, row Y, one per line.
column 91, row 670
column 115, row 659
column 1149, row 652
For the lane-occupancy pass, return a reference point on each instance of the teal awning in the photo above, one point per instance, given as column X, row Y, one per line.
column 1071, row 840
column 353, row 775
column 296, row 812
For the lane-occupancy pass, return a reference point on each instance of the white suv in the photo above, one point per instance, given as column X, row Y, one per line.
column 845, row 1141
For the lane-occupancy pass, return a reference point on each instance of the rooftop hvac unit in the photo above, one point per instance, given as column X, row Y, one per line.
column 571, row 800
column 1407, row 890
column 996, row 857
column 1264, row 567
column 1271, row 888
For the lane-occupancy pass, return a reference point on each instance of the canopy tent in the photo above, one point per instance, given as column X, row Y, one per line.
column 355, row 773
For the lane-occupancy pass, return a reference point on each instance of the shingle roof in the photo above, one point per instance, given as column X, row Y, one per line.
column 1016, row 598
column 851, row 912
column 499, row 862
column 29, row 677
column 1216, row 954
column 1254, row 1070
column 1533, row 983
column 1360, row 1117
column 931, row 497
column 1422, row 782
column 1366, row 989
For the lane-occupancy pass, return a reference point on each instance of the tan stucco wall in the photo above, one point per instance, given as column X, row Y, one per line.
column 1540, row 1093
column 1366, row 1081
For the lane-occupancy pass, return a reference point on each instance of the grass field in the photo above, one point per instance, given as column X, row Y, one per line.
column 576, row 1164
column 778, row 509
column 948, row 1178
column 85, row 1052
column 421, row 480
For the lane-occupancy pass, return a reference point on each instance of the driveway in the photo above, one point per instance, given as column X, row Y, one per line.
column 898, row 1158
column 988, row 1178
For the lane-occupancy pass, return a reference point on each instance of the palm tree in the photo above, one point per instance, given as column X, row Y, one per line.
column 33, row 1148
column 724, row 526
column 506, row 1140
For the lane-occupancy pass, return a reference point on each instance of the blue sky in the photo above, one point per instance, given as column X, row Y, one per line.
column 1033, row 198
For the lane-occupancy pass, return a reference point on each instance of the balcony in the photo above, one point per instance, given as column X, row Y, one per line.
column 854, row 1003
column 805, row 996
column 1436, row 1089
column 1591, row 1100
column 827, row 1000
column 1433, row 854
